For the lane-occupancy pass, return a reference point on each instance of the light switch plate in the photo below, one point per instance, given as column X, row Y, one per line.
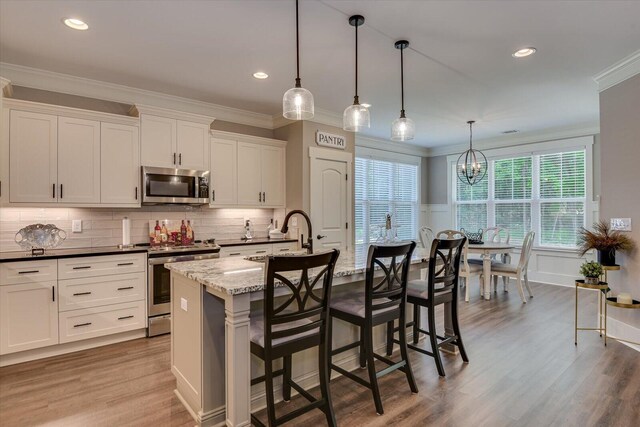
column 183, row 304
column 621, row 224
column 294, row 221
column 76, row 226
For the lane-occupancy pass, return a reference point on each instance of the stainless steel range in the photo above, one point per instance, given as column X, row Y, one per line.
column 159, row 280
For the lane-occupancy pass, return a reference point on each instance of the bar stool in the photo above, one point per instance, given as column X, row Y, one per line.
column 294, row 325
column 440, row 287
column 380, row 302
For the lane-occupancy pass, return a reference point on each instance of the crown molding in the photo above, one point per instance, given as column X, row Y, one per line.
column 247, row 138
column 6, row 88
column 65, row 83
column 618, row 72
column 138, row 109
column 585, row 129
column 321, row 116
column 391, row 147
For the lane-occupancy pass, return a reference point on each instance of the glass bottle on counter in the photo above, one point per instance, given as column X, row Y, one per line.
column 156, row 234
column 164, row 234
column 190, row 236
column 183, row 234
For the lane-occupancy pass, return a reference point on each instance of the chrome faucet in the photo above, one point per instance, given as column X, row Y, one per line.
column 285, row 227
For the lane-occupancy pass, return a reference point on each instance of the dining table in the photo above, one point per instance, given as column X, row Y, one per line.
column 486, row 249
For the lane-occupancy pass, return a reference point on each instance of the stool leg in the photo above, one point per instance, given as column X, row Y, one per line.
column 456, row 330
column 286, row 378
column 363, row 350
column 325, row 373
column 373, row 379
column 329, row 344
column 390, row 335
column 416, row 323
column 405, row 355
column 268, row 384
column 434, row 340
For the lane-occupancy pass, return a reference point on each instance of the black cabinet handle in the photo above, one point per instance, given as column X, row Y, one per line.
column 125, row 288
column 53, row 190
column 260, row 196
column 81, row 293
column 264, row 197
column 53, row 293
column 84, row 267
column 233, row 254
column 320, row 237
column 174, row 158
column 124, row 263
column 61, row 191
column 136, row 193
column 180, row 159
column 28, row 271
column 213, row 195
column 261, row 252
column 81, row 324
column 125, row 317
column 284, row 249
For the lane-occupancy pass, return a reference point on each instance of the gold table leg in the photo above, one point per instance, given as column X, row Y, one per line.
column 575, row 324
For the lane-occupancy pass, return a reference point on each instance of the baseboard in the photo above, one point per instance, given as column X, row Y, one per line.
column 58, row 349
column 623, row 331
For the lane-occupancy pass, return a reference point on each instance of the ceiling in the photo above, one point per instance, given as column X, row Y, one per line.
column 458, row 66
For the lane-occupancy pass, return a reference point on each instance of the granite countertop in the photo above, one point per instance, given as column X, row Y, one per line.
column 235, row 276
column 68, row 253
column 254, row 241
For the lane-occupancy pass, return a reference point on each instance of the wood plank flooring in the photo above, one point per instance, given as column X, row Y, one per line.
column 524, row 370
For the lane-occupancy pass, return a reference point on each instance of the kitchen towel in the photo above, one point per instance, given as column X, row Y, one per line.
column 126, row 231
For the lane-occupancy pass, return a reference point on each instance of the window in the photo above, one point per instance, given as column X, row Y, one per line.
column 385, row 187
column 541, row 192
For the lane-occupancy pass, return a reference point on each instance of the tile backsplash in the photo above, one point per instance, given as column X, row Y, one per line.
column 103, row 227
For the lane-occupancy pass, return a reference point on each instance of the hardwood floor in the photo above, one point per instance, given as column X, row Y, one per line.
column 524, row 370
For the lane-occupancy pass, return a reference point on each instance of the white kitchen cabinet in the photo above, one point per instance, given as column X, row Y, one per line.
column 28, row 316
column 78, row 160
column 159, row 144
column 193, row 145
column 33, row 157
column 272, row 169
column 224, row 172
column 119, row 164
column 261, row 180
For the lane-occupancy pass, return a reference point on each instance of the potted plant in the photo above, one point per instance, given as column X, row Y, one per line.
column 591, row 270
column 605, row 241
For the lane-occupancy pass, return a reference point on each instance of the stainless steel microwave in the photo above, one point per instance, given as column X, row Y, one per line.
column 174, row 186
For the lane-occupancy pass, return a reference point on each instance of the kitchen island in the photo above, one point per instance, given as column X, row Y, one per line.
column 212, row 302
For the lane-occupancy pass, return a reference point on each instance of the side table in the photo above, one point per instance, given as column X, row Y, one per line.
column 603, row 287
column 613, row 301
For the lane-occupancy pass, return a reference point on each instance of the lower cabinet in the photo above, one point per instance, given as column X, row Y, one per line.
column 94, row 322
column 28, row 316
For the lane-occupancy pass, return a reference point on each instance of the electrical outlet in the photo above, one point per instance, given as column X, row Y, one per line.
column 76, row 226
column 183, row 304
column 294, row 221
column 621, row 224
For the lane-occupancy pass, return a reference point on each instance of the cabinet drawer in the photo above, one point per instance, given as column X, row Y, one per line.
column 102, row 290
column 279, row 248
column 95, row 322
column 14, row 273
column 72, row 268
column 243, row 251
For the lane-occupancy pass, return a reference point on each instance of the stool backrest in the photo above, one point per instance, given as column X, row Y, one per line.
column 393, row 283
column 455, row 234
column 444, row 265
column 308, row 298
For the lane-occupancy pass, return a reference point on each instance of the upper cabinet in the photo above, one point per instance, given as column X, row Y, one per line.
column 247, row 171
column 69, row 156
column 170, row 139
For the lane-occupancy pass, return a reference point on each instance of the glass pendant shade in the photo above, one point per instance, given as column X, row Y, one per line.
column 297, row 104
column 471, row 167
column 402, row 129
column 355, row 118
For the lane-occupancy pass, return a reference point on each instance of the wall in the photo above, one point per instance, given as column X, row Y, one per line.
column 103, row 227
column 620, row 193
column 436, row 180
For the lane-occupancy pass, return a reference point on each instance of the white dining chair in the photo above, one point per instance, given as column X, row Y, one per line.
column 496, row 235
column 519, row 271
column 426, row 237
column 466, row 269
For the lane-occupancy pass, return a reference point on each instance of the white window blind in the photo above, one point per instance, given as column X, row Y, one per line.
column 543, row 192
column 385, row 187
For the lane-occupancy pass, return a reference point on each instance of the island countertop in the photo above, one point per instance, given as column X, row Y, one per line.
column 236, row 276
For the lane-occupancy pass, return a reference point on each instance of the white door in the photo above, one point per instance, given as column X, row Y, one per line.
column 249, row 174
column 78, row 160
column 33, row 157
column 193, row 145
column 273, row 183
column 329, row 201
column 28, row 316
column 224, row 172
column 158, row 141
column 119, row 164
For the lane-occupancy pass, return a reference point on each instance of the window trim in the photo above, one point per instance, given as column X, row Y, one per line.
column 535, row 149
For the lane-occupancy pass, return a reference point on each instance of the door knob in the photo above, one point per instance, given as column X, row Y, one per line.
column 320, row 237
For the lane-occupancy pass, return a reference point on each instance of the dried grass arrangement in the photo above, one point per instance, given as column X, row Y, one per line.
column 604, row 240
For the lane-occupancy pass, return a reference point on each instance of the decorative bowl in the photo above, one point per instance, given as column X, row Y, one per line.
column 473, row 238
column 40, row 236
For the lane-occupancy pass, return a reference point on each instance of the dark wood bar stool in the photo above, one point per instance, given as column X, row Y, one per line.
column 440, row 287
column 382, row 301
column 296, row 324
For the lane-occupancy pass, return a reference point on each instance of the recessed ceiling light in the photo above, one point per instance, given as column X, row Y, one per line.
column 260, row 75
column 366, row 105
column 75, row 23
column 521, row 53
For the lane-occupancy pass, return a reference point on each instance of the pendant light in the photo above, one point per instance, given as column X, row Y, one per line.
column 356, row 117
column 297, row 102
column 402, row 128
column 472, row 164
